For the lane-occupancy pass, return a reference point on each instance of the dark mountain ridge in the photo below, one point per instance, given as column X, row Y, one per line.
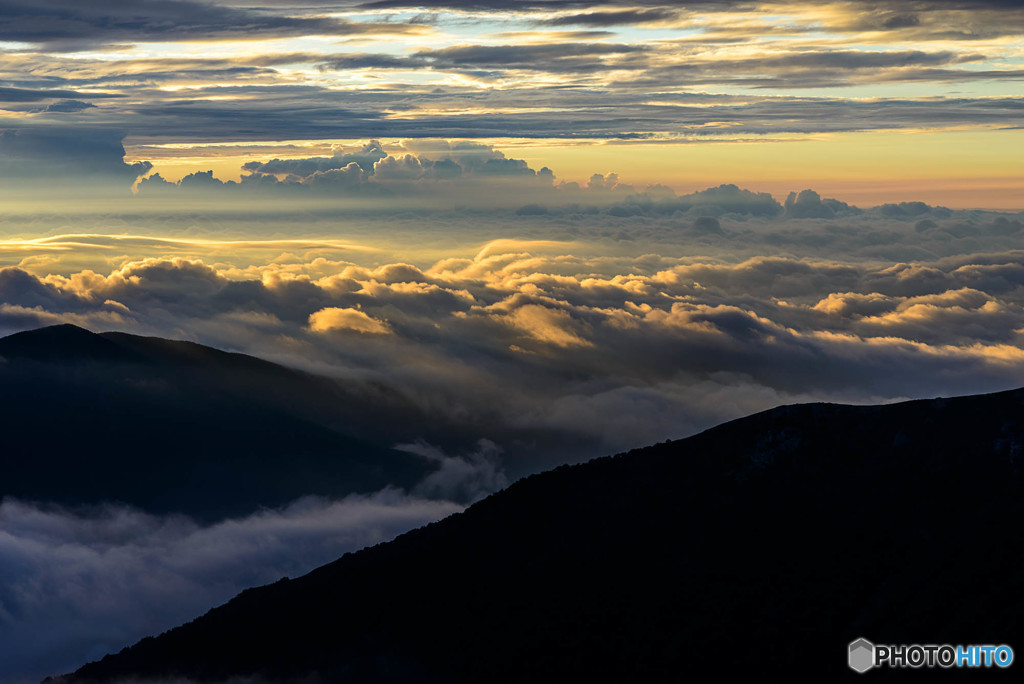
column 755, row 550
column 176, row 427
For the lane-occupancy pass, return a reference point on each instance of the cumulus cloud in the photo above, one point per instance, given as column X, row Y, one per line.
column 365, row 158
column 552, row 326
column 421, row 173
column 583, row 336
column 855, row 304
column 335, row 318
column 77, row 584
column 808, row 204
column 440, row 174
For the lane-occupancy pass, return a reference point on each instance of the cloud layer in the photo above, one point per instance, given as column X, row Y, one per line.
column 488, row 343
column 75, row 585
column 593, row 330
column 492, row 342
column 626, row 71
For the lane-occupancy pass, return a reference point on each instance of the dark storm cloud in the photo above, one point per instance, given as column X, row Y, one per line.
column 75, row 23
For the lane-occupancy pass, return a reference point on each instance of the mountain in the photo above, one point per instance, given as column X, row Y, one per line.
column 176, row 427
column 757, row 551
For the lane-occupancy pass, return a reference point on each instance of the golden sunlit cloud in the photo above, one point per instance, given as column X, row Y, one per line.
column 334, row 318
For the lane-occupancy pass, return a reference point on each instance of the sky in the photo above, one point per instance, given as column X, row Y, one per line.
column 522, row 233
column 871, row 100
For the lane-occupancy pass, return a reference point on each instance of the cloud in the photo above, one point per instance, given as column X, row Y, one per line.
column 920, row 20
column 489, row 342
column 66, row 25
column 632, row 85
column 518, row 75
column 854, row 304
column 808, row 204
column 67, row 106
column 9, row 96
column 365, row 158
column 52, row 161
column 551, row 326
column 334, row 318
column 77, row 584
column 474, row 334
column 464, row 478
column 613, row 18
column 435, row 174
column 548, row 57
column 439, row 173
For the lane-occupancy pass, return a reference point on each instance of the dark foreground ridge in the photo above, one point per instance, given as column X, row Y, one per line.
column 174, row 426
column 755, row 551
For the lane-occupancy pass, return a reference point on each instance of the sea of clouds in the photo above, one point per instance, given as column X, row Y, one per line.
column 494, row 339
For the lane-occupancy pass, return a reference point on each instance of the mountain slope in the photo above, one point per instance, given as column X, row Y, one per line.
column 175, row 426
column 760, row 548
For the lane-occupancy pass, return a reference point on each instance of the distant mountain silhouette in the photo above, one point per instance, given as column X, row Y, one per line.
column 755, row 551
column 175, row 426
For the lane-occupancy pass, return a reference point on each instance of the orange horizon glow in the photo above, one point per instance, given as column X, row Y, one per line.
column 959, row 169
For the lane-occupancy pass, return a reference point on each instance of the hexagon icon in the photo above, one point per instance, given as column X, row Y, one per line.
column 862, row 655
